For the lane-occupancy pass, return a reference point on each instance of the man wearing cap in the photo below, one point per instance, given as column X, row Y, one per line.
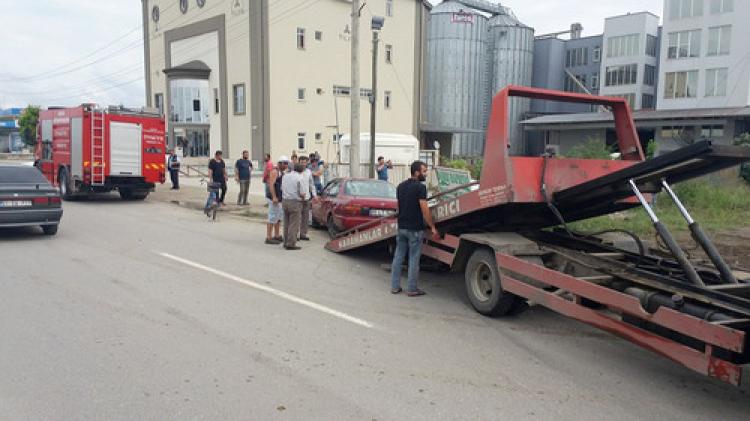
column 274, row 196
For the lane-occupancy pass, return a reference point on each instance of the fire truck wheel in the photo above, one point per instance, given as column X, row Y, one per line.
column 483, row 285
column 64, row 181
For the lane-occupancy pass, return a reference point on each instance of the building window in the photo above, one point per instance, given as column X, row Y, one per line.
column 238, row 93
column 623, row 46
column 318, row 35
column 681, row 84
column 684, row 44
column 301, row 141
column 365, row 93
column 300, row 38
column 649, row 75
column 651, row 42
column 621, row 75
column 577, row 57
column 336, row 138
column 597, row 54
column 216, row 100
column 712, row 132
column 595, row 81
column 342, row 90
column 389, row 8
column 159, row 103
column 722, row 6
column 647, row 102
column 300, row 94
column 318, row 137
column 388, row 53
column 680, row 9
column 387, row 100
column 629, row 98
column 716, row 82
column 570, row 84
column 719, row 38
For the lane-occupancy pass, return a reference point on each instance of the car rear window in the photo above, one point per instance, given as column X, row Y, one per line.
column 379, row 189
column 20, row 175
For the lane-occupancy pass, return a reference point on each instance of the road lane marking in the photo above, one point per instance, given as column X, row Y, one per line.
column 273, row 291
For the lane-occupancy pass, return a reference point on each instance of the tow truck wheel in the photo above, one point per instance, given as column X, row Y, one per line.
column 483, row 285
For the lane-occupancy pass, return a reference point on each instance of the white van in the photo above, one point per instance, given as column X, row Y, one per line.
column 400, row 149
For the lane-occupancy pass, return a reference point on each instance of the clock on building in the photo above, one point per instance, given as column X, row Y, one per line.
column 200, row 3
column 184, row 6
column 155, row 14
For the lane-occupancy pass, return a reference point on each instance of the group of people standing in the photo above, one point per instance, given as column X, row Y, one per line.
column 291, row 185
column 217, row 173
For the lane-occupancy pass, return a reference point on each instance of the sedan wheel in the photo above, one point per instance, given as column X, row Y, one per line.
column 332, row 230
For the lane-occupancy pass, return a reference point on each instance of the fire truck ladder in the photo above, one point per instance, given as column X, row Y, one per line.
column 97, row 148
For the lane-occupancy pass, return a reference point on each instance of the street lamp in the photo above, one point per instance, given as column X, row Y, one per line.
column 376, row 25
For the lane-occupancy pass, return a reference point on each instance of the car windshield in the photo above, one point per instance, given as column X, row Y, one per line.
column 379, row 189
column 21, row 175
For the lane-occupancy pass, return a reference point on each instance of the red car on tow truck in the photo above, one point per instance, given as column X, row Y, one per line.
column 348, row 202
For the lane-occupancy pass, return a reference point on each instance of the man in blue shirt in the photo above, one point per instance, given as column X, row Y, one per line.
column 383, row 167
column 243, row 169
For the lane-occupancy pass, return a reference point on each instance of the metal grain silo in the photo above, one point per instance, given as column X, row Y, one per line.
column 456, row 76
column 511, row 46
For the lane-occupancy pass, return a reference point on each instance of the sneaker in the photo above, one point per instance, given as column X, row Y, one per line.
column 415, row 293
column 396, row 290
column 304, row 238
column 293, row 248
column 272, row 241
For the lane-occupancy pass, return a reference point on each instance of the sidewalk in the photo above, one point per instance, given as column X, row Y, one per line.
column 193, row 195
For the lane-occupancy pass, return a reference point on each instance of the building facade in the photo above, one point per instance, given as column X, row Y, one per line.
column 630, row 59
column 271, row 77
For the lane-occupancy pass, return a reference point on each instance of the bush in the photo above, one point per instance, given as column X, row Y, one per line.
column 744, row 140
column 651, row 149
column 460, row 164
column 593, row 148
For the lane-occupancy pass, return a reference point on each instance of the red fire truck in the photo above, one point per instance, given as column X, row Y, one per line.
column 85, row 149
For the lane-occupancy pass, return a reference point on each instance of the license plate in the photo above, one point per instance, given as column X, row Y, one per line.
column 15, row 203
column 381, row 212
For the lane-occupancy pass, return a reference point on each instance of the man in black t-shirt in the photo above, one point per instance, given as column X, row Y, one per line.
column 217, row 172
column 413, row 218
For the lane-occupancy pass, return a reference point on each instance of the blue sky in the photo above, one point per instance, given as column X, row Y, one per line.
column 64, row 52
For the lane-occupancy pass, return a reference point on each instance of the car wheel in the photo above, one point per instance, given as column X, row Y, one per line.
column 332, row 230
column 49, row 229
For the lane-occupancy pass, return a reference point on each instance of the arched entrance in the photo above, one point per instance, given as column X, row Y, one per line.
column 190, row 108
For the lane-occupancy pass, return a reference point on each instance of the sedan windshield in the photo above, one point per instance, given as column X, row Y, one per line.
column 364, row 188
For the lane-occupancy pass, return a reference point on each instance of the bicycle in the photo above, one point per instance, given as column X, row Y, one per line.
column 212, row 202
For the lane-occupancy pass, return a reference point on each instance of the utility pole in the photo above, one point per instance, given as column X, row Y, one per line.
column 354, row 160
column 373, row 100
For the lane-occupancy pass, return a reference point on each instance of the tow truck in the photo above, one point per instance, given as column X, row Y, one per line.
column 509, row 234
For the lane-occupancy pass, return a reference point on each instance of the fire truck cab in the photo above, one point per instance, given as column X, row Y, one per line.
column 85, row 150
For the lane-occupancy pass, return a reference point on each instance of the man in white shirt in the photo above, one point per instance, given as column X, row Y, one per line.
column 293, row 195
column 308, row 185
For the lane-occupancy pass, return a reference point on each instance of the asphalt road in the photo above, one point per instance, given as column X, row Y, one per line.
column 148, row 311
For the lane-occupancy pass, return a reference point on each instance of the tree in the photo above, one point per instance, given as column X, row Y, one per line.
column 28, row 121
column 744, row 140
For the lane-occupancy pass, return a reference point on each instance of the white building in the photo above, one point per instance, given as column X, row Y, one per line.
column 273, row 76
column 704, row 54
column 629, row 59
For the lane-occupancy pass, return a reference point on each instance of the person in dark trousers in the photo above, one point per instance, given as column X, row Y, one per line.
column 173, row 164
column 243, row 168
column 383, row 167
column 217, row 172
column 413, row 218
